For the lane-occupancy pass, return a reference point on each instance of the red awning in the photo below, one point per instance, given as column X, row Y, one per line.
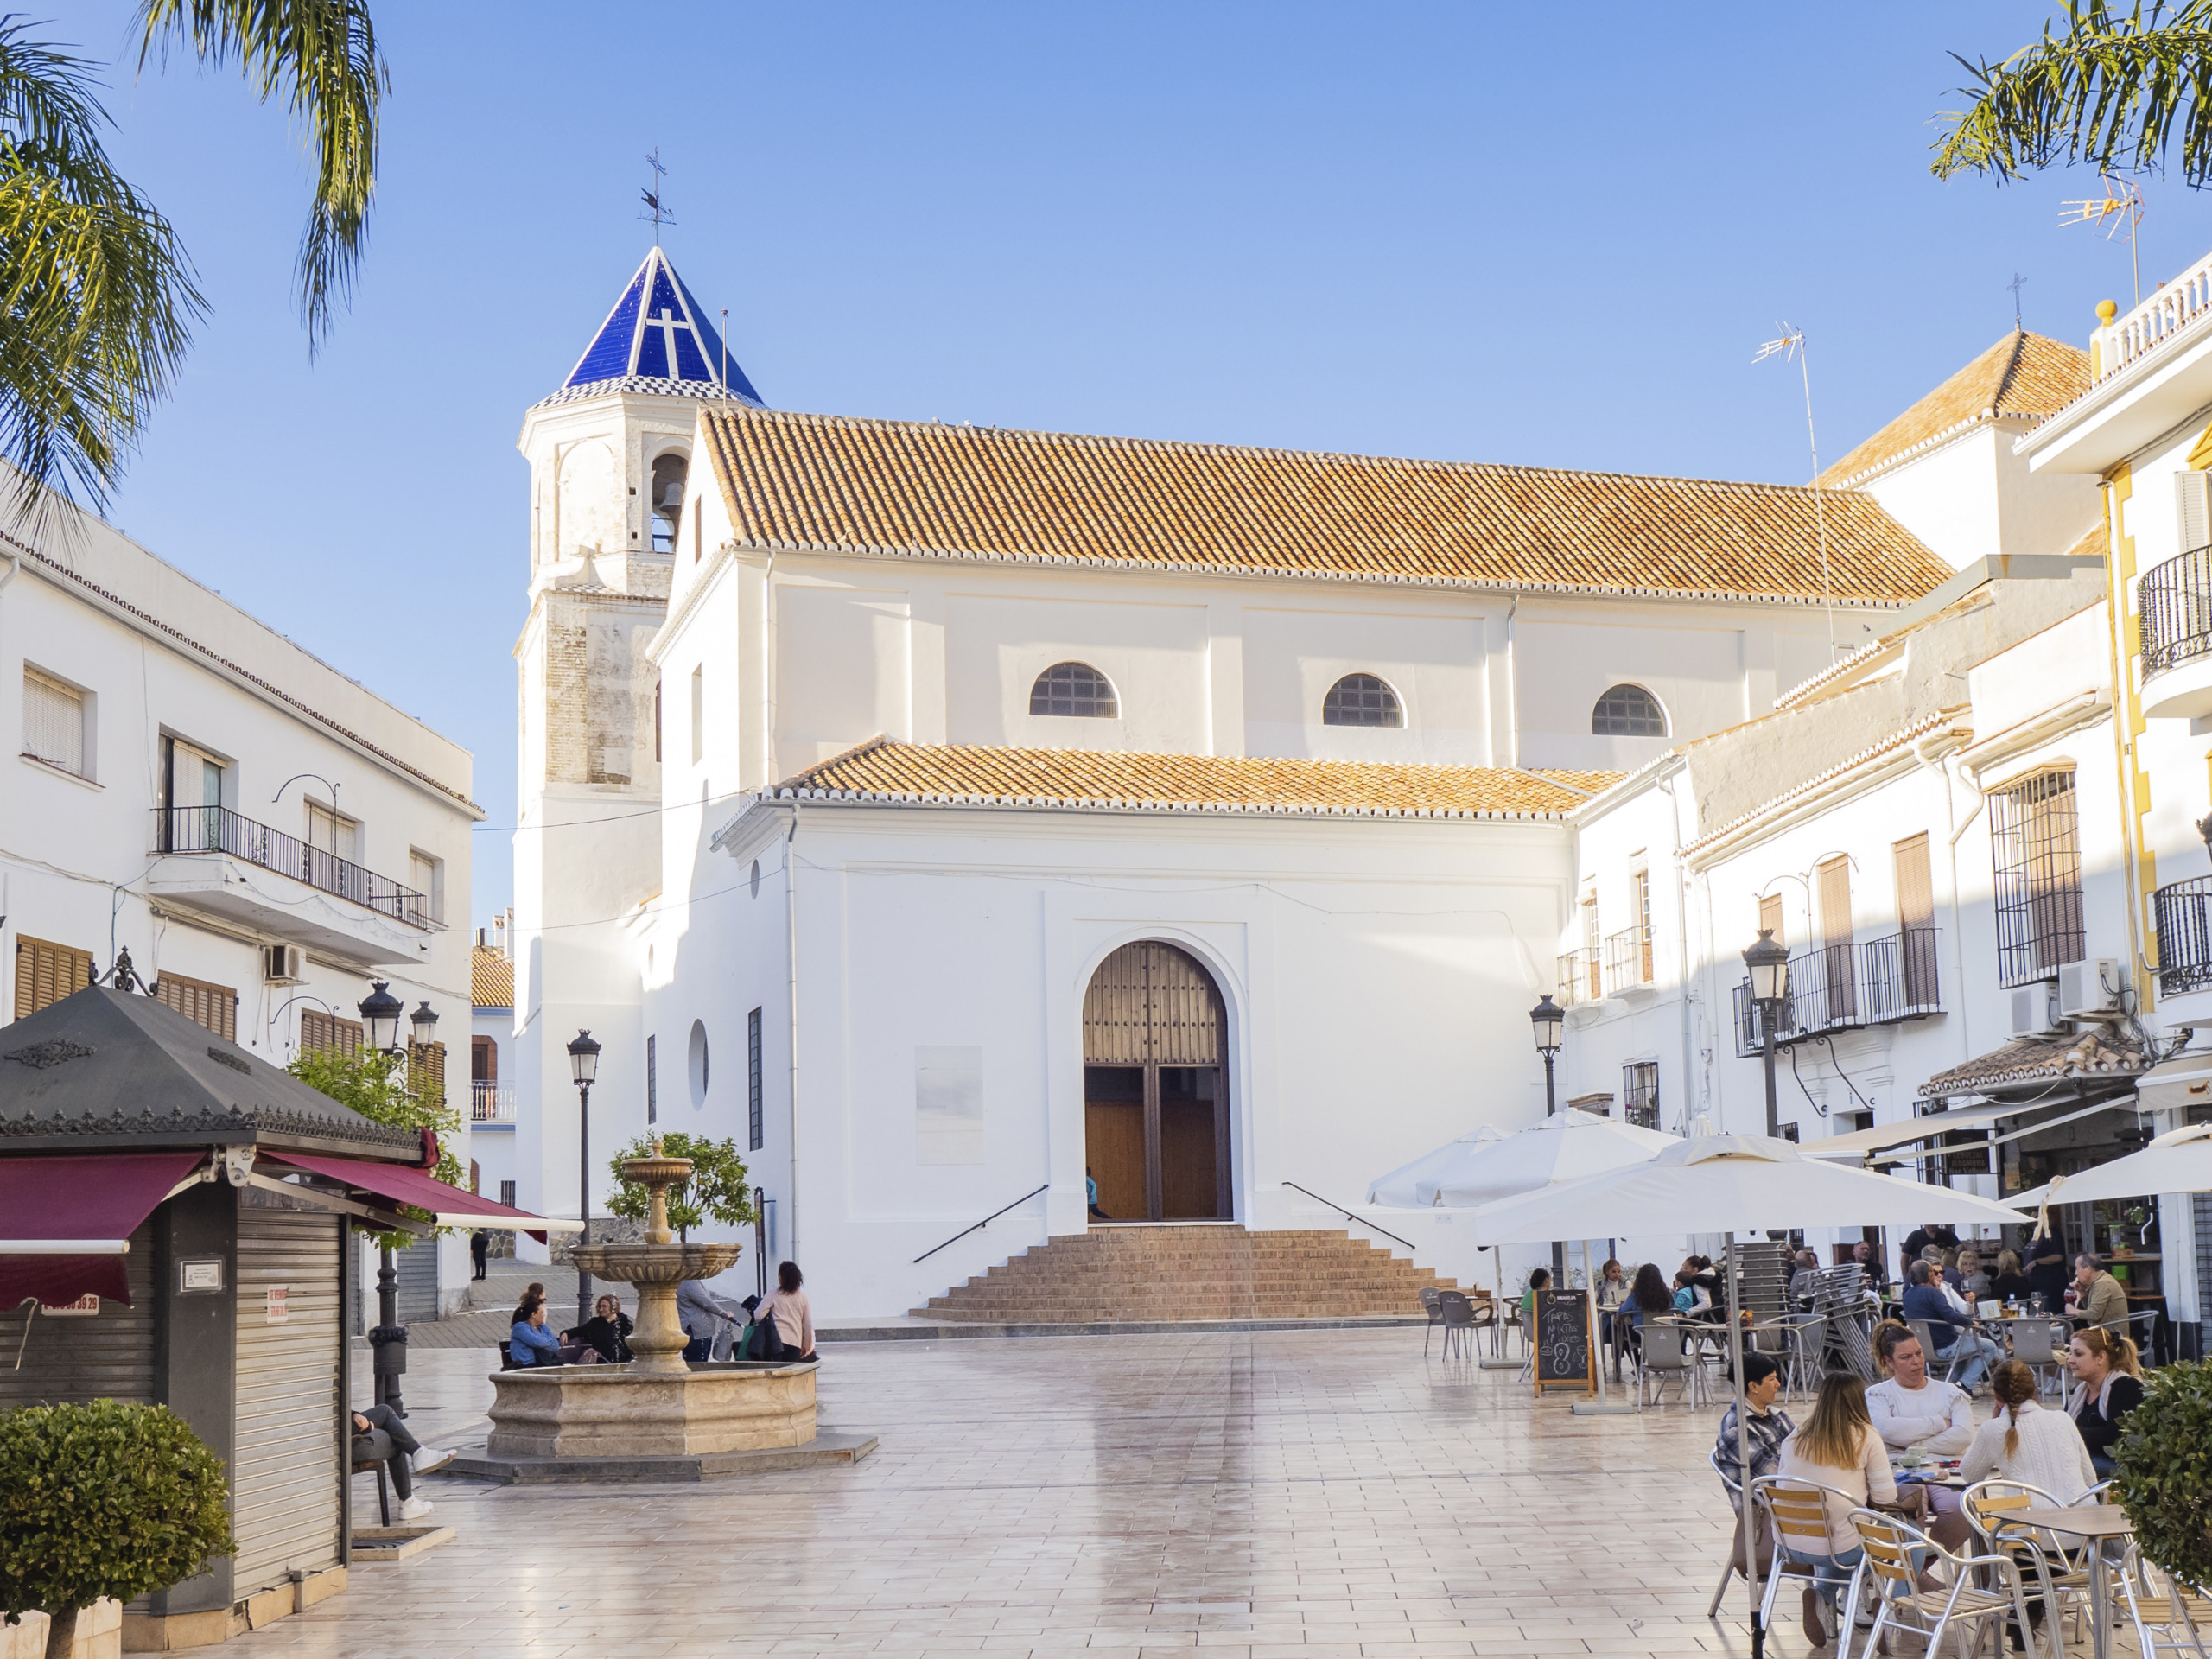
column 451, row 1206
column 66, row 1223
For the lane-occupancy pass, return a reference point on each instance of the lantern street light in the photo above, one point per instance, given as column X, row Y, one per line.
column 1768, row 964
column 583, row 1067
column 1549, row 1019
column 380, row 1011
column 424, row 1019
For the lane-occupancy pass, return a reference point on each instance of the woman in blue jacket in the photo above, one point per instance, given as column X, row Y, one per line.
column 529, row 1342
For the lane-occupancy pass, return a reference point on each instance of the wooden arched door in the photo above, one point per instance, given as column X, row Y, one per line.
column 1155, row 1087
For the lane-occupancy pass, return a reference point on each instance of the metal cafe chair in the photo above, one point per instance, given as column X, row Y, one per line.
column 2001, row 1514
column 1984, row 1590
column 2170, row 1615
column 1667, row 1351
column 1457, row 1315
column 2034, row 1344
column 1431, row 1304
column 1732, row 1569
column 1794, row 1509
column 1924, row 1331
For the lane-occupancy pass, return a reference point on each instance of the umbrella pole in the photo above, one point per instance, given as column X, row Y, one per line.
column 1743, row 1450
column 1601, row 1406
column 1498, row 1361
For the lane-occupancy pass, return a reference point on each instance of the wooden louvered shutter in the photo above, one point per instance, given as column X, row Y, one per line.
column 45, row 973
column 426, row 1068
column 323, row 1033
column 215, row 1007
column 1770, row 917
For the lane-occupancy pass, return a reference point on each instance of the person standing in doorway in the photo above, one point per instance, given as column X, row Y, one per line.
column 479, row 1248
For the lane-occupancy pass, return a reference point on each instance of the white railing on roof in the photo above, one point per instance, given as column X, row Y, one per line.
column 2156, row 321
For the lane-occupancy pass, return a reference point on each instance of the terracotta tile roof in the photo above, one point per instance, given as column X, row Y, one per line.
column 906, row 773
column 2026, row 375
column 490, row 979
column 829, row 483
column 2087, row 1055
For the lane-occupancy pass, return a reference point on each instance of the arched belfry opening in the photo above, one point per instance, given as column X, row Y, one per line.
column 1155, row 1087
column 669, row 472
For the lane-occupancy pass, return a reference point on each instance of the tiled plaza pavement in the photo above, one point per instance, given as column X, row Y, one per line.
column 1306, row 1494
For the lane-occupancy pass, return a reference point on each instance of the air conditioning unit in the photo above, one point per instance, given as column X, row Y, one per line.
column 2088, row 988
column 281, row 964
column 2035, row 1010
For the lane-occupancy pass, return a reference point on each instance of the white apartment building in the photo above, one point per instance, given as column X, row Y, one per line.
column 261, row 835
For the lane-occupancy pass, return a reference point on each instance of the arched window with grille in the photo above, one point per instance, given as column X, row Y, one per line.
column 1628, row 711
column 1362, row 700
column 1075, row 689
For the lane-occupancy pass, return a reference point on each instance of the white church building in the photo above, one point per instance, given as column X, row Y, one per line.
column 955, row 815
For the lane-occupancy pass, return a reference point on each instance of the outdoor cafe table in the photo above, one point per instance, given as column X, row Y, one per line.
column 2095, row 1522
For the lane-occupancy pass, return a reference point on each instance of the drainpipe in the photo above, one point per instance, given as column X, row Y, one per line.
column 1959, row 827
column 1682, row 945
column 790, row 995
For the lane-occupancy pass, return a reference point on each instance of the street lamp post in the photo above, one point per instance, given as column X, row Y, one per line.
column 1768, row 963
column 380, row 1011
column 583, row 1066
column 1549, row 1019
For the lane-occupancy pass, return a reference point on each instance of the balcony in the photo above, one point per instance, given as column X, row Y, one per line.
column 1845, row 986
column 1628, row 960
column 491, row 1102
column 2155, row 322
column 205, row 854
column 1580, row 978
column 2175, row 600
column 2184, row 916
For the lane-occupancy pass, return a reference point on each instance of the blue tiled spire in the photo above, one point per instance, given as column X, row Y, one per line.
column 657, row 338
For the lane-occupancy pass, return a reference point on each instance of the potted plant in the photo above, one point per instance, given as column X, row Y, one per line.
column 104, row 1499
column 2162, row 1473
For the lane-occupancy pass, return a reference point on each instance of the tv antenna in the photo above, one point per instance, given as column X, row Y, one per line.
column 2017, row 282
column 2120, row 209
column 1790, row 343
column 657, row 212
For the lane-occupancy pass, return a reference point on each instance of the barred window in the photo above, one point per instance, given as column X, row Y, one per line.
column 1640, row 1094
column 2036, row 847
column 753, row 1124
column 1076, row 690
column 1628, row 711
column 1362, row 700
column 53, row 723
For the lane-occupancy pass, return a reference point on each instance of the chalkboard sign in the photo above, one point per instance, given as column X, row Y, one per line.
column 1565, row 1342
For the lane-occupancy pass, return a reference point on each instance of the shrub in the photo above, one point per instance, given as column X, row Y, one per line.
column 2163, row 1470
column 104, row 1499
column 716, row 1192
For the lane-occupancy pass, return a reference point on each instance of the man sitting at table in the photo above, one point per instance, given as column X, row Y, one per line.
column 1924, row 1299
column 1911, row 1408
column 1864, row 1254
column 2098, row 1299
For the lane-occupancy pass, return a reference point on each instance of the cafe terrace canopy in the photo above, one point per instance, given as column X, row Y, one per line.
column 2179, row 1161
column 1413, row 1185
column 1566, row 1147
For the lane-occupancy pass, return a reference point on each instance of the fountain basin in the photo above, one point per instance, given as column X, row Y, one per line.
column 618, row 1412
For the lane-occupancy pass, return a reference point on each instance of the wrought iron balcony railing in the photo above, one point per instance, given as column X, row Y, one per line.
column 2176, row 601
column 219, row 830
column 1628, row 958
column 1840, row 987
column 2184, row 913
column 1580, row 979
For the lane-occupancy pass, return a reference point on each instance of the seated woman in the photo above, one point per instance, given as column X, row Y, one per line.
column 529, row 1342
column 1838, row 1448
column 1911, row 1408
column 786, row 1317
column 607, row 1333
column 1539, row 1279
column 1647, row 1296
column 2025, row 1443
column 2108, row 1385
column 2011, row 1285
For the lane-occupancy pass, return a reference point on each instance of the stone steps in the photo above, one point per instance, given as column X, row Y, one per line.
column 1212, row 1272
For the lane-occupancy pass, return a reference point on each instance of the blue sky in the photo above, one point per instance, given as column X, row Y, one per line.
column 1542, row 235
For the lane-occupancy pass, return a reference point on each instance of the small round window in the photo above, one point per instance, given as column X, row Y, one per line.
column 1628, row 711
column 1074, row 689
column 1362, row 700
column 698, row 1062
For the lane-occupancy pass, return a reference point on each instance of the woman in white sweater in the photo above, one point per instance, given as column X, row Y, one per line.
column 1838, row 1448
column 2024, row 1442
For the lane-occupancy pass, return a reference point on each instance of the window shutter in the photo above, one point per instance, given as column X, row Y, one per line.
column 1770, row 917
column 1916, row 890
column 2193, row 493
column 45, row 973
column 53, row 723
column 426, row 1068
column 215, row 1007
column 323, row 1033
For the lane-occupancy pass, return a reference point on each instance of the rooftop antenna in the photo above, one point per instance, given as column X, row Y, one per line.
column 2120, row 209
column 1790, row 343
column 656, row 212
column 2017, row 282
column 725, row 348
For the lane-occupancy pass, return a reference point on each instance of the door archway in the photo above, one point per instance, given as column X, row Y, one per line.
column 1155, row 1087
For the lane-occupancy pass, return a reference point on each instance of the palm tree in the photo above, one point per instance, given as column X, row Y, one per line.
column 97, row 296
column 2109, row 89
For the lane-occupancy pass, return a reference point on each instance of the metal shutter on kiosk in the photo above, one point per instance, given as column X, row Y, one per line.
column 418, row 1283
column 70, row 1358
column 284, row 1475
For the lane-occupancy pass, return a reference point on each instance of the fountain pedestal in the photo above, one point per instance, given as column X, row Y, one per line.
column 656, row 1417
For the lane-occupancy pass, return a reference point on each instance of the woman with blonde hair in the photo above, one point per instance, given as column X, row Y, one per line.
column 1836, row 1448
column 2011, row 1285
column 2108, row 1385
column 2025, row 1443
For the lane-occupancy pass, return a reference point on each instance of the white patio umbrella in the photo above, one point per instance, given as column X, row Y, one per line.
column 1413, row 1185
column 1737, row 1182
column 2180, row 1160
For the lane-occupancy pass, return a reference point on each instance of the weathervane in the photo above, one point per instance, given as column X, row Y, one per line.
column 1790, row 343
column 2017, row 282
column 2122, row 205
column 656, row 213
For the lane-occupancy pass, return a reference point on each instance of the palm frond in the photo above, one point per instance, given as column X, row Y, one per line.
column 97, row 298
column 2115, row 92
column 321, row 57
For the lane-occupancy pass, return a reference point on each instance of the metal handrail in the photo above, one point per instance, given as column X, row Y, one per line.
column 980, row 1225
column 219, row 830
column 1351, row 1214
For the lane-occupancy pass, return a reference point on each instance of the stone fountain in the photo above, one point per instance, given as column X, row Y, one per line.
column 656, row 1417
